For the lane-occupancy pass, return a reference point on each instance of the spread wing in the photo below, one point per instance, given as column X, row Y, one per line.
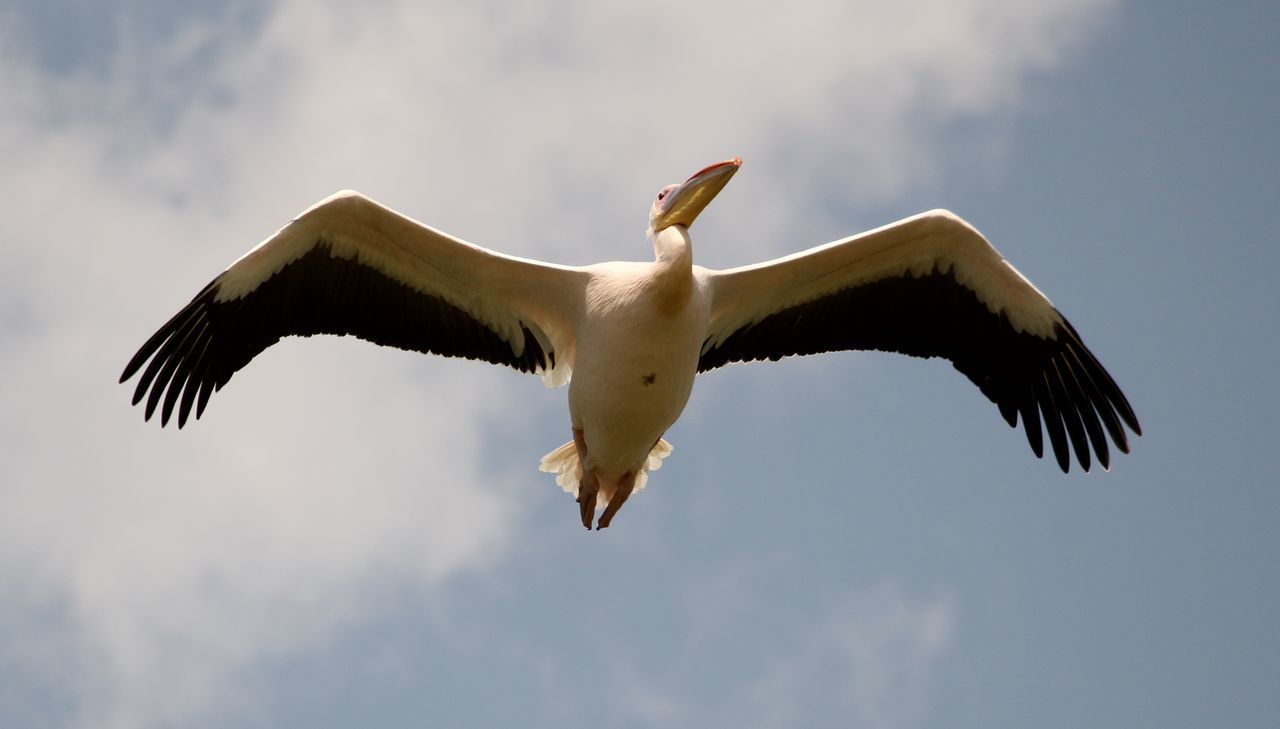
column 928, row 286
column 351, row 266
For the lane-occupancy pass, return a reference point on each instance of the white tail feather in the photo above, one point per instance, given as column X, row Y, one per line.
column 563, row 462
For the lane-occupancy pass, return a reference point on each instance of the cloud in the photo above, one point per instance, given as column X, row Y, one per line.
column 756, row 650
column 874, row 655
column 152, row 566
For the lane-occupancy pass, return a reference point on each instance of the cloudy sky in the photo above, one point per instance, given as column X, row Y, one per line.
column 359, row 536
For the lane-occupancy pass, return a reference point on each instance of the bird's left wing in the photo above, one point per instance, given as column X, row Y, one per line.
column 927, row 286
column 349, row 265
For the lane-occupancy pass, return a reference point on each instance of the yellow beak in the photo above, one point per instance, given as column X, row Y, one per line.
column 684, row 203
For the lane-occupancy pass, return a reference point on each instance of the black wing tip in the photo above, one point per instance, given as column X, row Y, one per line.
column 1132, row 422
column 1091, row 399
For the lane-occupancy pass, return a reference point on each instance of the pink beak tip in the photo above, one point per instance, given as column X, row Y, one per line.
column 735, row 162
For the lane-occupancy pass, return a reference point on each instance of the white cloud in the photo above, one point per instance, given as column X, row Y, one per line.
column 891, row 645
column 173, row 560
column 749, row 652
column 875, row 653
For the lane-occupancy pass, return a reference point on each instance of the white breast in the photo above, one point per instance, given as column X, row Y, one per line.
column 636, row 360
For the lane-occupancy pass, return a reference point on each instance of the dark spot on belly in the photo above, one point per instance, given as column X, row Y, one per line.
column 650, row 378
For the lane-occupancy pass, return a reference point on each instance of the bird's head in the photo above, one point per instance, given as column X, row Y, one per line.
column 680, row 204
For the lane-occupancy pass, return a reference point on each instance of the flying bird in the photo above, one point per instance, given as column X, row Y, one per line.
column 635, row 335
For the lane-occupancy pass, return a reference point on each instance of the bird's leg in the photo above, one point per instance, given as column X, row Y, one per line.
column 587, row 490
column 625, row 485
column 589, row 484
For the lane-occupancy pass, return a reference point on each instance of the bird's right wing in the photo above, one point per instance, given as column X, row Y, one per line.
column 349, row 265
column 927, row 286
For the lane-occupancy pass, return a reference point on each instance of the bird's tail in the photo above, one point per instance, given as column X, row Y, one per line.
column 563, row 462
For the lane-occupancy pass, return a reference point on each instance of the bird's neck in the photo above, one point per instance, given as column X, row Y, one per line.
column 672, row 248
column 673, row 261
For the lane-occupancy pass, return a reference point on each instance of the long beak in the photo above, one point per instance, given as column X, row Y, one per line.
column 684, row 203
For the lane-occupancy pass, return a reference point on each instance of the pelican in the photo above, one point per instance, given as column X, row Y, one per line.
column 635, row 335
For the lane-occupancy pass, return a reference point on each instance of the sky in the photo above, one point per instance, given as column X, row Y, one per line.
column 354, row 535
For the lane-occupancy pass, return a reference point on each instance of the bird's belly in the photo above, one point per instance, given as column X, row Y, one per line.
column 625, row 394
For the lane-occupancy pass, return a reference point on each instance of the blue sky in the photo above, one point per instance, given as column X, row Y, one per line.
column 355, row 535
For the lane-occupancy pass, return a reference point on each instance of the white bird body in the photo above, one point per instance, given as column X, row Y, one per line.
column 634, row 336
column 626, row 391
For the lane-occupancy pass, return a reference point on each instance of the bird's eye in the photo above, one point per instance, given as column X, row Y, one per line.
column 662, row 194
